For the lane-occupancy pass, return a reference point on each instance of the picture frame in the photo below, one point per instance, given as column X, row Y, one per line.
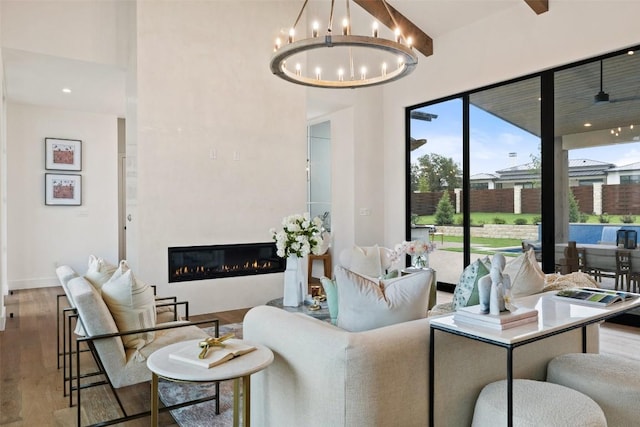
column 63, row 154
column 62, row 189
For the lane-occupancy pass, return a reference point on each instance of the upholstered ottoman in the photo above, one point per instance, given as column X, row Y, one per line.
column 535, row 404
column 612, row 381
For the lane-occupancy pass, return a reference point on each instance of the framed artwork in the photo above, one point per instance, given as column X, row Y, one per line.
column 63, row 190
column 63, row 154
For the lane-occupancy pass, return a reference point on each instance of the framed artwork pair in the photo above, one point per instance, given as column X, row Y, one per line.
column 62, row 188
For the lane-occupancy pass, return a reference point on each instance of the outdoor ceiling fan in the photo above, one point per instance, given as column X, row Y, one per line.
column 603, row 97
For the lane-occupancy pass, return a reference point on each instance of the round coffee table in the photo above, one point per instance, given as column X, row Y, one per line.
column 321, row 314
column 162, row 366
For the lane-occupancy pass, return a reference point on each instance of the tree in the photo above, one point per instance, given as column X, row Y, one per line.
column 444, row 210
column 434, row 172
column 574, row 209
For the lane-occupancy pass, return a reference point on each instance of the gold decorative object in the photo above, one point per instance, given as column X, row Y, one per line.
column 213, row 342
column 316, row 305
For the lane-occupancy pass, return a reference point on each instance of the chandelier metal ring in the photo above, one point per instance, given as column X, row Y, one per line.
column 408, row 57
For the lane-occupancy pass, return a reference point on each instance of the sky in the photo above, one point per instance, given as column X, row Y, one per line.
column 492, row 141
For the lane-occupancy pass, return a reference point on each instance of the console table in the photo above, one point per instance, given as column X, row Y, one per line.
column 554, row 317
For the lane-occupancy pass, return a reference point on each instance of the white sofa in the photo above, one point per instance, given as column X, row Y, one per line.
column 325, row 376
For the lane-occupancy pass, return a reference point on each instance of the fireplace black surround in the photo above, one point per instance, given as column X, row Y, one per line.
column 218, row 261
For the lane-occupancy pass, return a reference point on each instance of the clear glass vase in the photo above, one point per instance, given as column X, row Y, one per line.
column 420, row 261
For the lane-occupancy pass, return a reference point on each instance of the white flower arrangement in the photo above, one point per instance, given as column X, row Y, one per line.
column 299, row 236
column 414, row 247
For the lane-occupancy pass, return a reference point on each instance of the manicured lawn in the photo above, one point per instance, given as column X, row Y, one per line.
column 480, row 218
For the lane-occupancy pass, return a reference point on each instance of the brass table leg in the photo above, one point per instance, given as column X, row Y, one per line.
column 154, row 399
column 236, row 402
column 246, row 400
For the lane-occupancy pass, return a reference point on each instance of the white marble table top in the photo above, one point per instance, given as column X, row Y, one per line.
column 553, row 315
column 247, row 364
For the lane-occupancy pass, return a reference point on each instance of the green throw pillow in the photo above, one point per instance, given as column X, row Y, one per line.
column 466, row 292
column 331, row 292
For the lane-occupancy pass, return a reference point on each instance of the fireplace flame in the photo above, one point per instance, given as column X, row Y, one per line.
column 224, row 268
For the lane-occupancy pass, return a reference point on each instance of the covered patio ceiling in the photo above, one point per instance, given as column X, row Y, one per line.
column 575, row 89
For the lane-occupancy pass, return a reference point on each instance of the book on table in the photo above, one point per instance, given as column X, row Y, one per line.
column 471, row 315
column 593, row 296
column 467, row 321
column 215, row 355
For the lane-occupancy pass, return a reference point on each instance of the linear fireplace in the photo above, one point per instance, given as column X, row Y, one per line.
column 217, row 261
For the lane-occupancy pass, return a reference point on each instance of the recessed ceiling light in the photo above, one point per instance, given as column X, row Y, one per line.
column 66, row 90
column 587, row 125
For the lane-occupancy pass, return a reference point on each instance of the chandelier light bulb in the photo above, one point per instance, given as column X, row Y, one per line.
column 318, row 73
column 315, row 29
column 340, row 75
column 384, row 69
column 278, row 44
column 631, row 127
column 400, row 61
column 375, row 28
column 612, row 132
column 292, row 32
column 298, row 69
column 398, row 35
column 345, row 27
column 409, row 41
column 619, row 129
column 363, row 73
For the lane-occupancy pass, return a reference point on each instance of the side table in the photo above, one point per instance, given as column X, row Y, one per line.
column 322, row 314
column 241, row 367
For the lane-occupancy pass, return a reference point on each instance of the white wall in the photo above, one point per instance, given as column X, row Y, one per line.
column 4, row 287
column 41, row 237
column 221, row 143
column 83, row 30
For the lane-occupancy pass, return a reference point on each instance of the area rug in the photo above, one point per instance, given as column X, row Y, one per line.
column 202, row 414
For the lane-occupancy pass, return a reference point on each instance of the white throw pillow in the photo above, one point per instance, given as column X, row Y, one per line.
column 366, row 261
column 365, row 304
column 132, row 305
column 527, row 278
column 99, row 271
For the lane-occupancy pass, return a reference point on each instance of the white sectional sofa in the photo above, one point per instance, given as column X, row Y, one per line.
column 325, row 376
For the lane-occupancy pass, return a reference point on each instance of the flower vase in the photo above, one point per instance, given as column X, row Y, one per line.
column 420, row 261
column 293, row 282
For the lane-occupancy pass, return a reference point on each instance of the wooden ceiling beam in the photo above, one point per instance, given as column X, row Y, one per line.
column 538, row 6
column 376, row 8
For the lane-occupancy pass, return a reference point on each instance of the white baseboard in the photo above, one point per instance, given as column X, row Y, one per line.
column 46, row 282
column 3, row 317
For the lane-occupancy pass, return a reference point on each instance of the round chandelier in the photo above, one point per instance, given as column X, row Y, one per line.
column 402, row 58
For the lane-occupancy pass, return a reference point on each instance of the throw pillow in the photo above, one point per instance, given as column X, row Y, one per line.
column 99, row 271
column 132, row 305
column 331, row 292
column 366, row 261
column 527, row 278
column 365, row 304
column 332, row 297
column 466, row 292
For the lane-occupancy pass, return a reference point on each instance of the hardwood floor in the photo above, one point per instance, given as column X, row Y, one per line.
column 31, row 384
